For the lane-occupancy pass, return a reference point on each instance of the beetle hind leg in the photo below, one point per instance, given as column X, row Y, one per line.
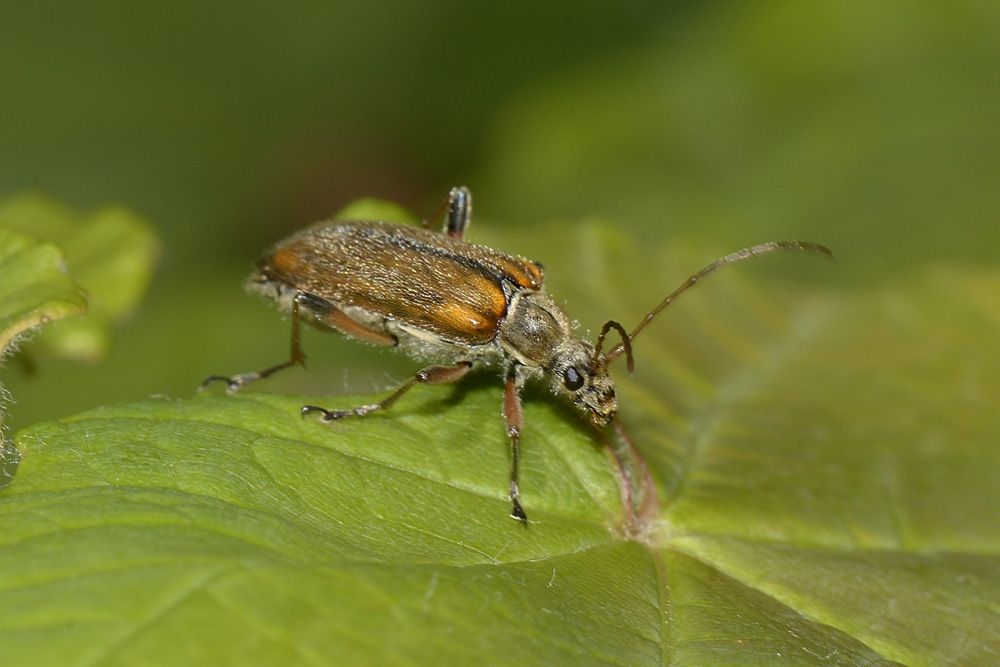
column 429, row 376
column 328, row 314
column 297, row 358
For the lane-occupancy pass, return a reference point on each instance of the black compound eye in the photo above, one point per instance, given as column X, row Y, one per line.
column 572, row 379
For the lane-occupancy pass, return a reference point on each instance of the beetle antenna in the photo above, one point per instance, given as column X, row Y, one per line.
column 626, row 344
column 738, row 256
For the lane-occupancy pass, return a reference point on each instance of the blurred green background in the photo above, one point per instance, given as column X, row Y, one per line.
column 871, row 127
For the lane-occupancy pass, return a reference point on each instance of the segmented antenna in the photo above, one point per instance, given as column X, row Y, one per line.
column 738, row 256
column 626, row 344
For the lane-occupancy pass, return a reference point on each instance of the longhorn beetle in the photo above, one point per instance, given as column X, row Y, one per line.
column 438, row 297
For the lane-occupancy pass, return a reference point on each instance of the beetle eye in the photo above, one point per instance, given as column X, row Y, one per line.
column 572, row 379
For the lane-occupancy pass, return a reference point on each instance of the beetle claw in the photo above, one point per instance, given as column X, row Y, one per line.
column 326, row 415
column 517, row 513
column 233, row 384
column 334, row 415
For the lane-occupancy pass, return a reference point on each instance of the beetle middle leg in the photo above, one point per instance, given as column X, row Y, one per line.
column 514, row 419
column 459, row 208
column 430, row 376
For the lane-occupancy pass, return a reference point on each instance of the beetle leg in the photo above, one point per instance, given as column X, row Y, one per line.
column 459, row 210
column 514, row 419
column 430, row 376
column 237, row 382
column 326, row 313
column 459, row 207
column 344, row 324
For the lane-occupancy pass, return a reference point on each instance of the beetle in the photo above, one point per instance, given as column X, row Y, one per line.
column 442, row 299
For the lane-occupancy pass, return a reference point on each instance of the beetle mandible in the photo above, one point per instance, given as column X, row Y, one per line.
column 441, row 298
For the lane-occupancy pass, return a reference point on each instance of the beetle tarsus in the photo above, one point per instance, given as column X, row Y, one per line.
column 233, row 384
column 518, row 513
column 306, row 409
column 515, row 511
column 214, row 378
column 334, row 415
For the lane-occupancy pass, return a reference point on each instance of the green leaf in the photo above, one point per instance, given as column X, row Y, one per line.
column 370, row 208
column 34, row 289
column 111, row 252
column 869, row 124
column 34, row 286
column 825, row 462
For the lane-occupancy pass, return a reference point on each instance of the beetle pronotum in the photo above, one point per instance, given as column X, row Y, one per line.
column 440, row 298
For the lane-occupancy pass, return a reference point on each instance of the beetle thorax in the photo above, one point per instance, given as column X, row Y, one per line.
column 534, row 329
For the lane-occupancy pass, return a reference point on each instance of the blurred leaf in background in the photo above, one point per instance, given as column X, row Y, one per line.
column 35, row 289
column 870, row 126
column 111, row 252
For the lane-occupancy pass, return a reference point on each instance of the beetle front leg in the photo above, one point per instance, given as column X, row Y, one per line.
column 514, row 419
column 430, row 376
column 237, row 382
column 459, row 208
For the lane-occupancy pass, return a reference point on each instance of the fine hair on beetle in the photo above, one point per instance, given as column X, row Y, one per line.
column 436, row 296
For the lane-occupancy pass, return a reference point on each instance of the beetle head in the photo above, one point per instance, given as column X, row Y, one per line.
column 583, row 375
